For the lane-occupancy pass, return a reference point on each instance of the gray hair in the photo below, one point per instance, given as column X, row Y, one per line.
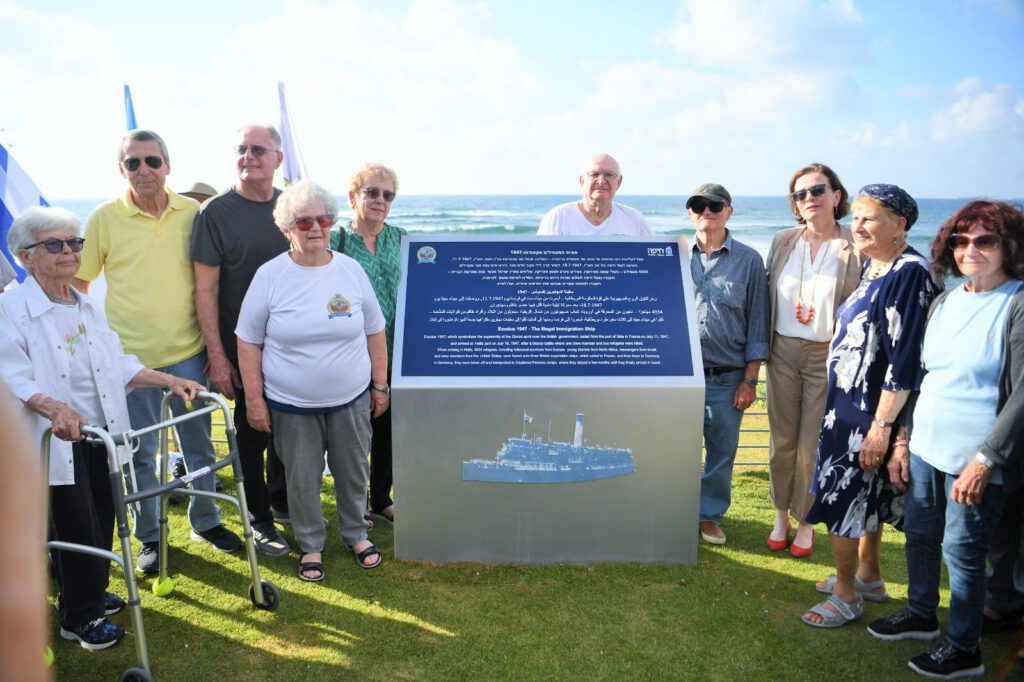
column 139, row 135
column 27, row 227
column 298, row 195
column 271, row 130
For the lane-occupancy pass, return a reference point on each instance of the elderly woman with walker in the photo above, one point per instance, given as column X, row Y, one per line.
column 66, row 366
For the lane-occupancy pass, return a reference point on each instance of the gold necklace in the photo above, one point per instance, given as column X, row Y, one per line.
column 801, row 317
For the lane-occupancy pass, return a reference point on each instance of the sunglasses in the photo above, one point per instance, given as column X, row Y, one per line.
column 375, row 192
column 131, row 164
column 305, row 222
column 984, row 242
column 257, row 150
column 699, row 206
column 815, row 191
column 57, row 245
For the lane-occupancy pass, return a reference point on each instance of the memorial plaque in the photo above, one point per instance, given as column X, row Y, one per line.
column 545, row 407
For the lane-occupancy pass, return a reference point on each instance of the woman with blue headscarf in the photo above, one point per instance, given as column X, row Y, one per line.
column 873, row 364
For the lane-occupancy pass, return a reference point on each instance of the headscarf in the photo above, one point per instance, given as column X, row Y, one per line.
column 894, row 198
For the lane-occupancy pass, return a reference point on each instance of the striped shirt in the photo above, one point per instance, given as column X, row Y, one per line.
column 731, row 288
column 383, row 268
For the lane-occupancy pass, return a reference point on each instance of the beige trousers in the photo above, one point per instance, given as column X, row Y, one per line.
column 797, row 385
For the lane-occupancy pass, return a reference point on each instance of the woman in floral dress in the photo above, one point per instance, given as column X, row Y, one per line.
column 873, row 364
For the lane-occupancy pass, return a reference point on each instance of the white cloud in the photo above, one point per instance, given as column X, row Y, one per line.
column 979, row 109
column 758, row 35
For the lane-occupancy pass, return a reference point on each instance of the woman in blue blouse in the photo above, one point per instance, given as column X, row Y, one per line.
column 873, row 364
column 966, row 438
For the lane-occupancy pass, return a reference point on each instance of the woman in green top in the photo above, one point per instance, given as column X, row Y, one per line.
column 375, row 245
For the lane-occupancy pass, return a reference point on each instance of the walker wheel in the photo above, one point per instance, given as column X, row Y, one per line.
column 163, row 588
column 271, row 596
column 136, row 674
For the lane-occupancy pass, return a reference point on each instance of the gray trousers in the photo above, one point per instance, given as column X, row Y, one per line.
column 301, row 440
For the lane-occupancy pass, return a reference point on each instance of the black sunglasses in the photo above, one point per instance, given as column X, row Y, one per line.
column 256, row 149
column 815, row 191
column 375, row 192
column 57, row 245
column 699, row 206
column 131, row 164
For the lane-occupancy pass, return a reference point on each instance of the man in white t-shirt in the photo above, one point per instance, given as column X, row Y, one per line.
column 597, row 213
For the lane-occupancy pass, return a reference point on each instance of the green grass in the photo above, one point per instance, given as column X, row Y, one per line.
column 734, row 615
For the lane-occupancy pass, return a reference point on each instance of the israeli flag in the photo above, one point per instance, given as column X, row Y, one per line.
column 527, row 418
column 294, row 167
column 129, row 109
column 17, row 193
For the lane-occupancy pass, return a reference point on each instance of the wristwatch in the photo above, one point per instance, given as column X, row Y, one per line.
column 750, row 381
column 984, row 461
column 381, row 388
column 881, row 423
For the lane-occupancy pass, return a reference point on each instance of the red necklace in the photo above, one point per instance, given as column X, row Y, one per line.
column 801, row 316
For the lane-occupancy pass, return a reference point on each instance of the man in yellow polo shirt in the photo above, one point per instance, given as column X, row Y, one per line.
column 140, row 241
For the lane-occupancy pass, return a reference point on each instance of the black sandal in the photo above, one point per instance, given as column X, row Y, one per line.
column 317, row 566
column 369, row 551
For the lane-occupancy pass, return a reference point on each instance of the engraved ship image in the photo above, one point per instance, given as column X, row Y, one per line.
column 535, row 460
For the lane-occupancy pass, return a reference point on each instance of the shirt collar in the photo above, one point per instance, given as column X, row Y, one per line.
column 124, row 206
column 38, row 303
column 726, row 245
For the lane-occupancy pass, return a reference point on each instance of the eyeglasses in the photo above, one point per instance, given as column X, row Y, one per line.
column 699, row 206
column 305, row 222
column 256, row 149
column 983, row 242
column 374, row 192
column 815, row 191
column 57, row 245
column 597, row 175
column 131, row 164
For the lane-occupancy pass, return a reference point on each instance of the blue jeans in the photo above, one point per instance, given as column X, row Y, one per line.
column 960, row 533
column 144, row 410
column 721, row 436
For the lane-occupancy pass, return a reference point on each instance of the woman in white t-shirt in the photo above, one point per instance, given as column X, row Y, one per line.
column 313, row 360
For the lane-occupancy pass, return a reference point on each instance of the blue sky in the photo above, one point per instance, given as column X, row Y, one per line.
column 508, row 97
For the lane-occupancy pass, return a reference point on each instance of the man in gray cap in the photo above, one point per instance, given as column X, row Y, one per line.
column 731, row 291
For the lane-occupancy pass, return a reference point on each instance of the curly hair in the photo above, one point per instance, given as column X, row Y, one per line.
column 842, row 208
column 998, row 217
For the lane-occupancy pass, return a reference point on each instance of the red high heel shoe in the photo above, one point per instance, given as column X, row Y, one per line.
column 801, row 552
column 779, row 545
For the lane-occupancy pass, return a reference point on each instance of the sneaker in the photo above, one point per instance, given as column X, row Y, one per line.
column 111, row 604
column 268, row 540
column 94, row 635
column 904, row 624
column 220, row 537
column 149, row 558
column 946, row 662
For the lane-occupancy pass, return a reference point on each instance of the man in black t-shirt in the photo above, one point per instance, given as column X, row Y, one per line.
column 233, row 235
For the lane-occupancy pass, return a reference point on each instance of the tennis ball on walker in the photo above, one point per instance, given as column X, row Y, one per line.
column 162, row 588
column 189, row 406
column 48, row 657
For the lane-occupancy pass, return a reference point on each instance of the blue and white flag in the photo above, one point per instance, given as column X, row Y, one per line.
column 129, row 109
column 294, row 167
column 527, row 418
column 17, row 193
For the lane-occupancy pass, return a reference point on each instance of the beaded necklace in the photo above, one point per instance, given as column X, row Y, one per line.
column 801, row 317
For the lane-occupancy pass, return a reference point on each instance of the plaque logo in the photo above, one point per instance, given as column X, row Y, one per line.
column 426, row 254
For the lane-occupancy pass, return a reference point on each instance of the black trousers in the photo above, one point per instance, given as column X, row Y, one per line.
column 260, row 493
column 381, row 478
column 83, row 513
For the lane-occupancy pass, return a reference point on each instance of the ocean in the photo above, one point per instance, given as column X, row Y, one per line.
column 754, row 221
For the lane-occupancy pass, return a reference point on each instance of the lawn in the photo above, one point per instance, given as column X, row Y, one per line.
column 734, row 615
